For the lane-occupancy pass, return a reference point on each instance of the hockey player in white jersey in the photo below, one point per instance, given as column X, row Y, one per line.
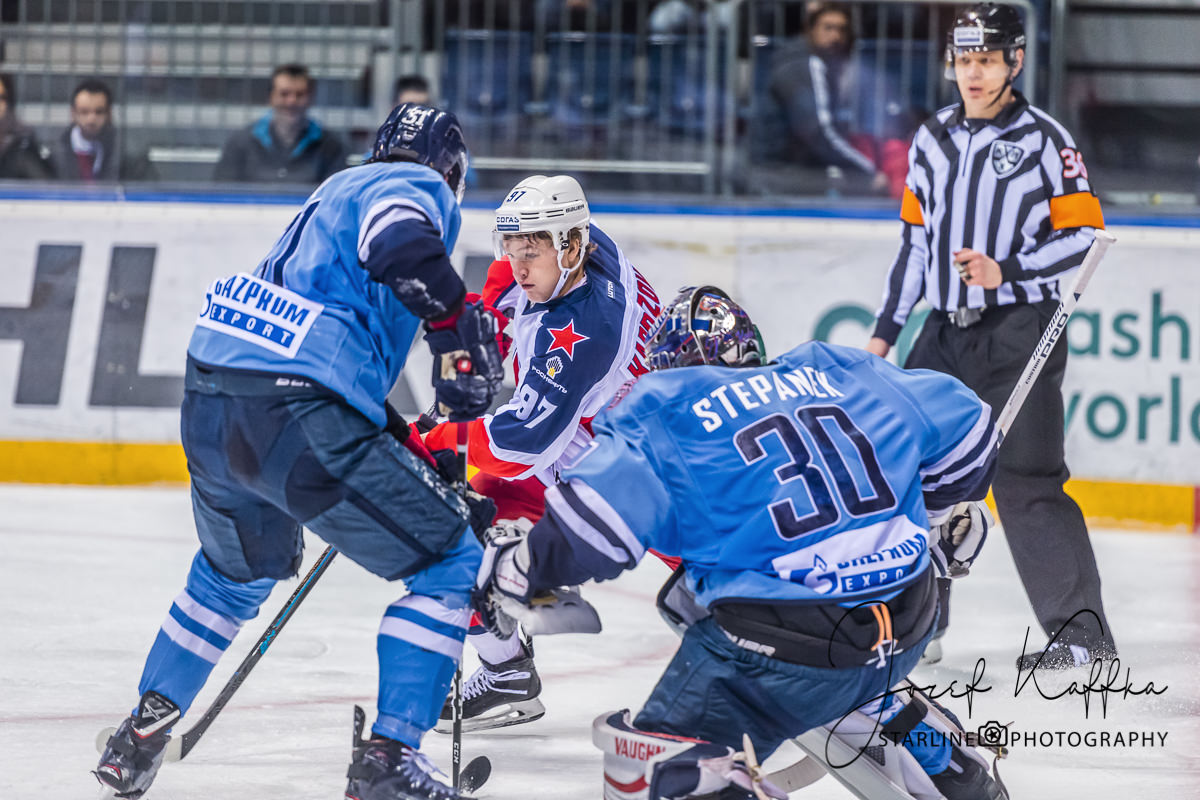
column 577, row 314
column 812, row 500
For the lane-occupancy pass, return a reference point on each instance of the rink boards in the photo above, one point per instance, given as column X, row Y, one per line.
column 99, row 298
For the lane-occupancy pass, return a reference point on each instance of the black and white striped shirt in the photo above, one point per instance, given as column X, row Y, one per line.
column 1014, row 187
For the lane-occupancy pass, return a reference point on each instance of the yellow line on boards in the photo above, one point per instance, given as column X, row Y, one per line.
column 92, row 463
column 1104, row 503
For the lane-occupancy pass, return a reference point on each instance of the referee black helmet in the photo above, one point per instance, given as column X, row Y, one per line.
column 985, row 26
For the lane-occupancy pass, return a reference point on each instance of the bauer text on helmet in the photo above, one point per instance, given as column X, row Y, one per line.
column 542, row 229
column 424, row 135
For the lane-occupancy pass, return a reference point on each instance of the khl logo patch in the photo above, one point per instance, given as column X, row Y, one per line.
column 1006, row 156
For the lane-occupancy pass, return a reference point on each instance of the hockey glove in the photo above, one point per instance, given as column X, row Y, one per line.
column 482, row 509
column 503, row 340
column 957, row 541
column 468, row 369
column 502, row 584
column 503, row 595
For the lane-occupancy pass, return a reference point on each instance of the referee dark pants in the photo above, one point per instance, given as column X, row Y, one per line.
column 1044, row 526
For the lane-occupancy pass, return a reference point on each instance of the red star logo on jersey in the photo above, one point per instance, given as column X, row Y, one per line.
column 565, row 339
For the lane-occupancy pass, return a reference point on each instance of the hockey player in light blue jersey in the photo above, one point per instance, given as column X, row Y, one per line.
column 811, row 502
column 285, row 423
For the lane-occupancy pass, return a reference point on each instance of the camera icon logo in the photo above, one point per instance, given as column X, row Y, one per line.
column 993, row 734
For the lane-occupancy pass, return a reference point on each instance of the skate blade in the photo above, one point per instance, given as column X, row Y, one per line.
column 932, row 654
column 499, row 717
column 109, row 792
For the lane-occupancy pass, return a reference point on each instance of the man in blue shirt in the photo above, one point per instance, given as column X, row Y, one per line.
column 285, row 423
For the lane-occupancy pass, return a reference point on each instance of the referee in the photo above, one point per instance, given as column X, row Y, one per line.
column 998, row 214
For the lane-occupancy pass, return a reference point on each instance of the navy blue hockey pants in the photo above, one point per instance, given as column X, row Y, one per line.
column 715, row 690
column 267, row 455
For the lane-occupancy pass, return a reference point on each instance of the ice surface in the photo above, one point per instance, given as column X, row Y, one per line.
column 87, row 576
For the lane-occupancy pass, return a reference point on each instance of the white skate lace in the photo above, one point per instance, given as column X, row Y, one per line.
column 484, row 681
column 420, row 771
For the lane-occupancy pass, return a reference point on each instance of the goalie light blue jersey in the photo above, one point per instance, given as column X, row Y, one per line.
column 812, row 479
column 311, row 308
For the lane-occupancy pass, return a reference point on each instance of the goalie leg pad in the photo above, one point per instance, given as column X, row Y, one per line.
column 645, row 765
column 628, row 752
column 914, row 754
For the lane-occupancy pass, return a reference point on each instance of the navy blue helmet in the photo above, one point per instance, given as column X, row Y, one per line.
column 424, row 135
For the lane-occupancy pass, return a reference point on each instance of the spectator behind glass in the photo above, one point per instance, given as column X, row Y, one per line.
column 813, row 93
column 575, row 15
column 20, row 154
column 91, row 150
column 411, row 89
column 285, row 145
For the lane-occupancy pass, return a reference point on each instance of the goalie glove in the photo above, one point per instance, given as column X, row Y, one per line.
column 503, row 579
column 503, row 596
column 956, row 542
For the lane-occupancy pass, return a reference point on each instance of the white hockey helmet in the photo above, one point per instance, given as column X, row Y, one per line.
column 554, row 204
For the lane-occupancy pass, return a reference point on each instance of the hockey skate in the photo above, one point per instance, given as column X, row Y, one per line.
column 965, row 778
column 498, row 695
column 134, row 753
column 1058, row 656
column 874, row 763
column 933, row 650
column 384, row 769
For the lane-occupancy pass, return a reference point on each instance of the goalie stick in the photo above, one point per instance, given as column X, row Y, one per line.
column 809, row 769
column 1054, row 330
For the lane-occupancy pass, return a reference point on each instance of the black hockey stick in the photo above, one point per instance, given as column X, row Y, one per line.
column 179, row 746
column 475, row 774
column 479, row 769
column 456, row 696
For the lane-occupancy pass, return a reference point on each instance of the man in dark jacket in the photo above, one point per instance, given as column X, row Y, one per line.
column 20, row 154
column 90, row 150
column 284, row 146
column 807, row 86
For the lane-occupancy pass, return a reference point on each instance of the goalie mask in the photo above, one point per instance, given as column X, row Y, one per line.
column 985, row 27
column 555, row 205
column 703, row 325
